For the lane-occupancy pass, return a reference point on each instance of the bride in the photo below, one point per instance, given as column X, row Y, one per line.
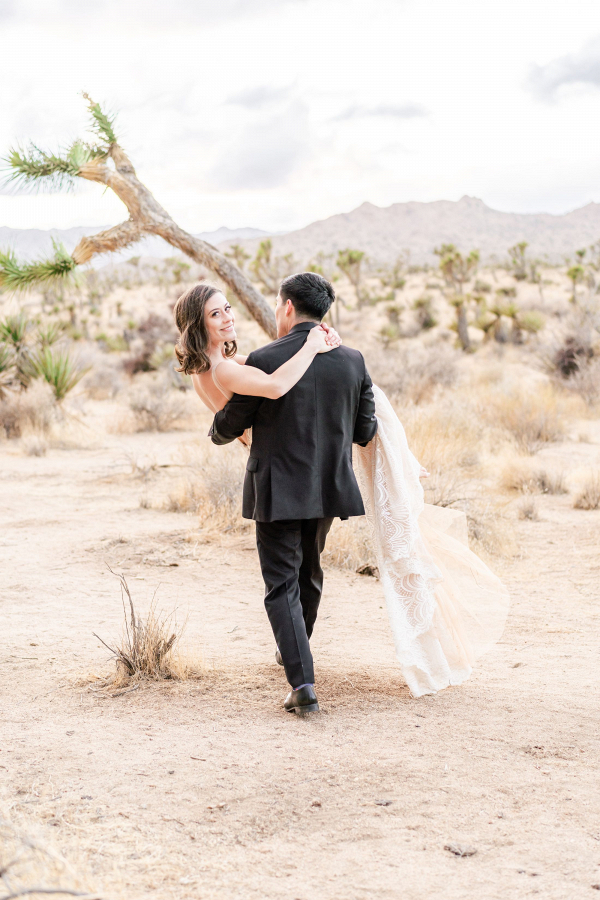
column 445, row 606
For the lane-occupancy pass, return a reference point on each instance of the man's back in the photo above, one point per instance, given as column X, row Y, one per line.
column 300, row 464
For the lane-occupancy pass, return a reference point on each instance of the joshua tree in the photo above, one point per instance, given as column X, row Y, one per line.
column 576, row 273
column 237, row 253
column 104, row 161
column 349, row 262
column 268, row 269
column 518, row 260
column 456, row 270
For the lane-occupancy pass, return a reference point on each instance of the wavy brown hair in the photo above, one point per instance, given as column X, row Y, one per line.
column 191, row 349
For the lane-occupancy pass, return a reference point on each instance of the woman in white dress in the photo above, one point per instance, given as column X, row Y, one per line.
column 445, row 606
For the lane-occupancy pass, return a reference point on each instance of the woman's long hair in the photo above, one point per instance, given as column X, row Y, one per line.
column 191, row 349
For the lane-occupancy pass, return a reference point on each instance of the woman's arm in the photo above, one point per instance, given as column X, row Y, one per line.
column 253, row 382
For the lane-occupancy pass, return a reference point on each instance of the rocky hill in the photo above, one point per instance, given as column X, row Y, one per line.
column 419, row 227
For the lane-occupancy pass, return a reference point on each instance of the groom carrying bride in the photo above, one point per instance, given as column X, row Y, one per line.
column 299, row 475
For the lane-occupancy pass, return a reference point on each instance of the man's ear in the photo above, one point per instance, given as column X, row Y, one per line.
column 289, row 308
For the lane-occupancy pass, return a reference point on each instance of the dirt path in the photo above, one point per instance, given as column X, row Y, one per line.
column 208, row 789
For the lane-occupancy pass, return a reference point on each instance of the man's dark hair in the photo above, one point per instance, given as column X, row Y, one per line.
column 311, row 294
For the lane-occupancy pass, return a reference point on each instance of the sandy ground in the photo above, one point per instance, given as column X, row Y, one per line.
column 209, row 789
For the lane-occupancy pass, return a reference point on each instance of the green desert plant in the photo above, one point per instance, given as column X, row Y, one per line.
column 47, row 335
column 237, row 253
column 58, row 369
column 424, row 313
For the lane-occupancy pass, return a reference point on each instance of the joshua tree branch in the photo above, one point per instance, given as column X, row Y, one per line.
column 113, row 168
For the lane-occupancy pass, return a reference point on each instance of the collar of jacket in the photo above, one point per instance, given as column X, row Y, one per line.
column 303, row 326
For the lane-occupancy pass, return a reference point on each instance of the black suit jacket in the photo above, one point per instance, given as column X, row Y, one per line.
column 300, row 464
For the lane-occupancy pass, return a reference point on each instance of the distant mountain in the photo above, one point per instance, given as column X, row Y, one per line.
column 30, row 243
column 420, row 227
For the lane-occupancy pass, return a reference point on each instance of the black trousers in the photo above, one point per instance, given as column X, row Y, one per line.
column 290, row 559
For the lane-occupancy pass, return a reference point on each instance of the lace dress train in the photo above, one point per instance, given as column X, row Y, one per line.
column 446, row 608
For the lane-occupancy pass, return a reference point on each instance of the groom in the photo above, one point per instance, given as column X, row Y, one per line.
column 299, row 475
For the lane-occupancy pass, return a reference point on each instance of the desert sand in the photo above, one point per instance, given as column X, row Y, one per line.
column 207, row 788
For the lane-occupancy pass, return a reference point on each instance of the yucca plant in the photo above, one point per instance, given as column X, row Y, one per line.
column 14, row 330
column 47, row 335
column 59, row 369
column 7, row 368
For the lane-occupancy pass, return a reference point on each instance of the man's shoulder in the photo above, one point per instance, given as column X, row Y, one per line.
column 281, row 347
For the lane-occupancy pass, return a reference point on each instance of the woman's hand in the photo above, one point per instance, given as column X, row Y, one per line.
column 322, row 339
column 423, row 473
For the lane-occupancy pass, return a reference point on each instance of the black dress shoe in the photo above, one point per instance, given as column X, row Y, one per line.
column 278, row 658
column 302, row 701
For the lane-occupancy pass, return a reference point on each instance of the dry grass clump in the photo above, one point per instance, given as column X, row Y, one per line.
column 532, row 417
column 414, row 373
column 519, row 475
column 156, row 406
column 349, row 545
column 213, row 488
column 444, row 434
column 589, row 496
column 34, row 410
column 527, row 509
column 29, row 866
column 146, row 648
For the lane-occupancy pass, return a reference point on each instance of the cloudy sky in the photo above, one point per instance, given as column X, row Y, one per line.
column 274, row 113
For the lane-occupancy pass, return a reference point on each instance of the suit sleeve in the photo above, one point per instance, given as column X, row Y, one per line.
column 365, row 426
column 231, row 421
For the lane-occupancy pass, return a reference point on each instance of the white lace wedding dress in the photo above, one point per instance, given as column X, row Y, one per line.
column 445, row 606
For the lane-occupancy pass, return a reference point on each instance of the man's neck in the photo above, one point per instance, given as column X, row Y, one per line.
column 298, row 321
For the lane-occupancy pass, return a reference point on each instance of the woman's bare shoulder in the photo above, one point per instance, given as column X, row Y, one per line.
column 240, row 359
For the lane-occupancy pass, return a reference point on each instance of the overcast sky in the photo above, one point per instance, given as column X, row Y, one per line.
column 274, row 113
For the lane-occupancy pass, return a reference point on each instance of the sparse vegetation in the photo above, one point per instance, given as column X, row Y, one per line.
column 589, row 495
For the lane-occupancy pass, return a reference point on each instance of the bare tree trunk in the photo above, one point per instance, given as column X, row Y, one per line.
column 147, row 216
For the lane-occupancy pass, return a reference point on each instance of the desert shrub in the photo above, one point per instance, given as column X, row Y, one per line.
column 413, row 373
column 532, row 417
column 424, row 313
column 589, row 495
column 585, row 382
column 521, row 476
column 156, row 406
column 527, row 509
column 149, row 337
column 570, row 356
column 212, row 488
column 102, row 382
column 33, row 410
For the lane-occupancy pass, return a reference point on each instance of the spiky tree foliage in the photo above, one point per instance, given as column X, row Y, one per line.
column 104, row 161
column 47, row 335
column 16, row 276
column 58, row 369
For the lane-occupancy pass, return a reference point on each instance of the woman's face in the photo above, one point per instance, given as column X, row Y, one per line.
column 219, row 319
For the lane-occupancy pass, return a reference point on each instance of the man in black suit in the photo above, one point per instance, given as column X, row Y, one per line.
column 299, row 475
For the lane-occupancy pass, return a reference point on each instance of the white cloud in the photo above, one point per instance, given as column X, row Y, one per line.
column 581, row 68
column 278, row 112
